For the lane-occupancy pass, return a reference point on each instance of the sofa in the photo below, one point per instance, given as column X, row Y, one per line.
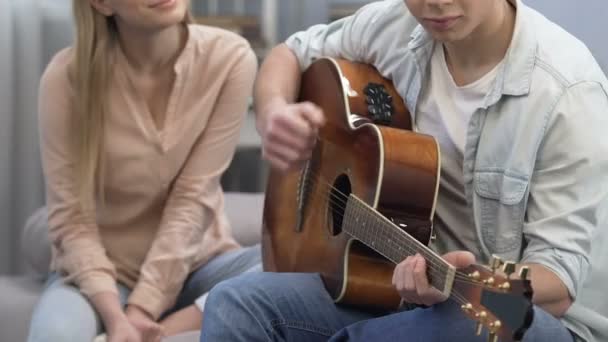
column 19, row 294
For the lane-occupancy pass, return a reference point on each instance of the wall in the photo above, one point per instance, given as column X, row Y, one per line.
column 295, row 15
column 583, row 18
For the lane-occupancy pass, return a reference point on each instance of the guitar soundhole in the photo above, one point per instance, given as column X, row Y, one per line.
column 337, row 203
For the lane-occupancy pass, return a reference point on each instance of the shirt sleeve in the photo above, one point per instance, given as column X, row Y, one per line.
column 80, row 254
column 194, row 200
column 569, row 189
column 350, row 38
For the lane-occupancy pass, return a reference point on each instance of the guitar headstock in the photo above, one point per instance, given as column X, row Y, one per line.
column 498, row 297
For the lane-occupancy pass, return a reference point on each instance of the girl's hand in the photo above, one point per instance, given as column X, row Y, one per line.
column 123, row 331
column 149, row 330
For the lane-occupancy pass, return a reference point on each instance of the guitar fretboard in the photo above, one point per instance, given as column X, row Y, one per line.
column 367, row 225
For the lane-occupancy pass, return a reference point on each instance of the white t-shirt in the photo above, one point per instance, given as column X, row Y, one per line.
column 444, row 111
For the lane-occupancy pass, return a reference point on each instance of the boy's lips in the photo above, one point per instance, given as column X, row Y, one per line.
column 441, row 23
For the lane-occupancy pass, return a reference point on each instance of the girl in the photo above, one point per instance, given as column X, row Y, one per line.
column 138, row 120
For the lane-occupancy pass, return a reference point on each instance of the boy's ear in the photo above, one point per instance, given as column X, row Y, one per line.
column 103, row 7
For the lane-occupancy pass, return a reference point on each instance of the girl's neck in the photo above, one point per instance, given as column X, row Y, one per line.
column 150, row 52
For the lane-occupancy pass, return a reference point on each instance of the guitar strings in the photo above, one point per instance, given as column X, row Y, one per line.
column 435, row 269
column 340, row 202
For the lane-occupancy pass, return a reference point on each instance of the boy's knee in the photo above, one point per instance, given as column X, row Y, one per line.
column 229, row 292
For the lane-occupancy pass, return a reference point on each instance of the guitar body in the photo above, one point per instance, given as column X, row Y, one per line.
column 389, row 167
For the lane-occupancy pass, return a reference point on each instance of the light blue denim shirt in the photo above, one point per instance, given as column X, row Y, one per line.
column 536, row 157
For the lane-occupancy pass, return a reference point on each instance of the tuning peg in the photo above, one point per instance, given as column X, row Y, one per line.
column 524, row 272
column 509, row 268
column 494, row 327
column 495, row 263
column 475, row 275
column 467, row 308
column 481, row 318
column 490, row 281
column 478, row 329
column 505, row 286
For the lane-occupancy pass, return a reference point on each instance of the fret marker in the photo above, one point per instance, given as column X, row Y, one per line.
column 402, row 225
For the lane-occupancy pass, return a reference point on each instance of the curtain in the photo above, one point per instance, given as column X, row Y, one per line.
column 6, row 105
column 31, row 31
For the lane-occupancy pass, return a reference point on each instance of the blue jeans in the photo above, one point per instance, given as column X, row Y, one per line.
column 444, row 322
column 295, row 307
column 64, row 314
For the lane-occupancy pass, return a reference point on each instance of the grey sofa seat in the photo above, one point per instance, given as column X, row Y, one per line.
column 19, row 294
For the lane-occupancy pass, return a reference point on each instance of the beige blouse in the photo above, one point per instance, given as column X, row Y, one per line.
column 163, row 215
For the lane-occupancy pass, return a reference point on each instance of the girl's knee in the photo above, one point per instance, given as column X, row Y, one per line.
column 57, row 328
column 63, row 314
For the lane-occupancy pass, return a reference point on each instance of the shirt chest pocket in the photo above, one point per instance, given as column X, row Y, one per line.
column 500, row 204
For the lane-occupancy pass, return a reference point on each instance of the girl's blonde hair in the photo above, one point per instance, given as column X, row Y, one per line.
column 90, row 72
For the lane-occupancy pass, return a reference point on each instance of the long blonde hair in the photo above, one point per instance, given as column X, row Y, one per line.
column 90, row 72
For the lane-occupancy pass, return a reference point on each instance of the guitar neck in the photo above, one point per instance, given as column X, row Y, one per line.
column 367, row 225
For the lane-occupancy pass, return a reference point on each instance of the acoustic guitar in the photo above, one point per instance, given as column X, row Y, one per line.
column 365, row 201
